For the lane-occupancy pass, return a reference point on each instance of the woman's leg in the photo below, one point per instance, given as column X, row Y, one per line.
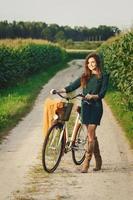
column 97, row 155
column 93, row 139
column 90, row 147
column 91, row 132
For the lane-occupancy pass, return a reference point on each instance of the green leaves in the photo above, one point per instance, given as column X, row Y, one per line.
column 16, row 64
column 118, row 60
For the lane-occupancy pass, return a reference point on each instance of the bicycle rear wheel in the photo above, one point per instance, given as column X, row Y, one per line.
column 78, row 147
column 53, row 148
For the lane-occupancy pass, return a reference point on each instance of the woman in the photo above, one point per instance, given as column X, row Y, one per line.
column 94, row 83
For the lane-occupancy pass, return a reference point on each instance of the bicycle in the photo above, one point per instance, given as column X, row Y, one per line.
column 57, row 140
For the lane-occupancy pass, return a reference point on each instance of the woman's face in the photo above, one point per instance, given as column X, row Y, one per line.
column 92, row 65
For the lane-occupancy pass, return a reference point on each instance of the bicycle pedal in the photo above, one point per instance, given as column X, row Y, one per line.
column 65, row 150
column 68, row 143
column 74, row 146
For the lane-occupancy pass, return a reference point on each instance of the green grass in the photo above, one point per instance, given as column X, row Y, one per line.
column 15, row 102
column 122, row 113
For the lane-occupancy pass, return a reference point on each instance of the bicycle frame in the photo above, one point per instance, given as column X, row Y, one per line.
column 58, row 141
column 69, row 141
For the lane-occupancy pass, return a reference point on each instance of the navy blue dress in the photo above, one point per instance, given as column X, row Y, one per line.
column 92, row 113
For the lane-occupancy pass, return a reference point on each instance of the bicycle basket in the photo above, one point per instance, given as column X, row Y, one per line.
column 64, row 112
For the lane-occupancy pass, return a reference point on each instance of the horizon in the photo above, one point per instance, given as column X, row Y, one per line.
column 8, row 21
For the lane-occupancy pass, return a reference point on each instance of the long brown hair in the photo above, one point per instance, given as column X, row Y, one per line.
column 87, row 72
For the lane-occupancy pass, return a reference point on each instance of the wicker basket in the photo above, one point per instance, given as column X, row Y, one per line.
column 64, row 112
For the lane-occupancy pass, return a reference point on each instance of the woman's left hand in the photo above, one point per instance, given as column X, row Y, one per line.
column 92, row 96
column 89, row 96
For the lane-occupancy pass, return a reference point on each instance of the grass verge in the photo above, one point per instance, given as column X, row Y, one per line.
column 121, row 112
column 16, row 101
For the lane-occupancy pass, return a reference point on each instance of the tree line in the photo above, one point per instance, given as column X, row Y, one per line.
column 54, row 32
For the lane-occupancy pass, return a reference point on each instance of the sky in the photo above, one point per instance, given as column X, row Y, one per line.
column 89, row 13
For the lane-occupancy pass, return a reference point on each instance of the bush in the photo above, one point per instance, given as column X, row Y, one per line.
column 18, row 63
column 118, row 61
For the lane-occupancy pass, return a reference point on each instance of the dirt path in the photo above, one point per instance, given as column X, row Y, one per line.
column 20, row 164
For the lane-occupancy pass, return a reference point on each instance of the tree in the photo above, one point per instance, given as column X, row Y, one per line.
column 59, row 36
column 55, row 32
column 47, row 34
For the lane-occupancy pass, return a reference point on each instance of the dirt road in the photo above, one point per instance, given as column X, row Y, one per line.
column 21, row 173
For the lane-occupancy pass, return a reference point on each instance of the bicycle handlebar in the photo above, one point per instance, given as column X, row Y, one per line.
column 53, row 91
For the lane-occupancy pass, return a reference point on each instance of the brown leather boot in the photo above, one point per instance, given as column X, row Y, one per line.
column 88, row 156
column 97, row 156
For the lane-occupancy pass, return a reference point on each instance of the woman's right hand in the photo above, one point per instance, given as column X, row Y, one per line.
column 54, row 91
column 63, row 90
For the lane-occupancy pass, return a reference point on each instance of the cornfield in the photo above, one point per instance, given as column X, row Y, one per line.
column 118, row 61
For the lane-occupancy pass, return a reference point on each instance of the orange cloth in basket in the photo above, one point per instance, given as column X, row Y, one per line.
column 50, row 106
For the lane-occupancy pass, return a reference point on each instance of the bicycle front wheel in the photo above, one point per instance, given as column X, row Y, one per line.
column 53, row 148
column 78, row 147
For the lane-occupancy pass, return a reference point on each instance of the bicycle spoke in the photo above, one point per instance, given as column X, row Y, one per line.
column 78, row 150
column 52, row 150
